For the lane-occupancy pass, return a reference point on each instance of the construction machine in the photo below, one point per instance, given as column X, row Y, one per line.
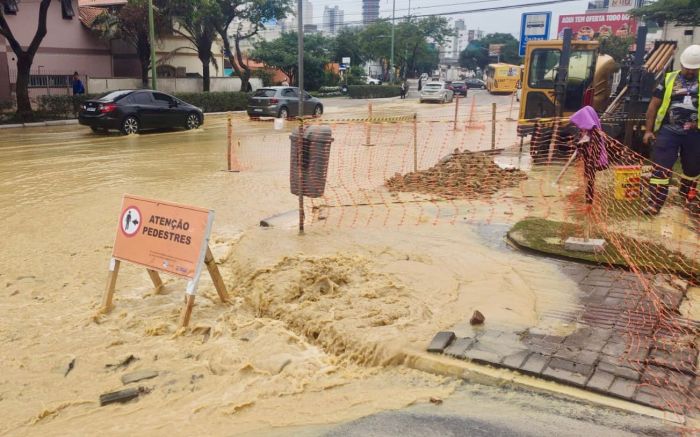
column 562, row 76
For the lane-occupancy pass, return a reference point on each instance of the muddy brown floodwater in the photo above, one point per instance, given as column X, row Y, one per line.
column 315, row 334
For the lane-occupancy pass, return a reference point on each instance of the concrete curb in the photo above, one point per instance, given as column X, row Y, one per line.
column 470, row 371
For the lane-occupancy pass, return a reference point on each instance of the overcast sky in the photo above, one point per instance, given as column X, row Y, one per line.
column 501, row 21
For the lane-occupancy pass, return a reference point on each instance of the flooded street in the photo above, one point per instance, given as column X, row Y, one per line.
column 318, row 326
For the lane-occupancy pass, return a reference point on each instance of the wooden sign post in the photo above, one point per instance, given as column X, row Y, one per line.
column 168, row 238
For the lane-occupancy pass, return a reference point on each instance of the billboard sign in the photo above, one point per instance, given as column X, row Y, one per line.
column 534, row 26
column 495, row 49
column 620, row 5
column 587, row 27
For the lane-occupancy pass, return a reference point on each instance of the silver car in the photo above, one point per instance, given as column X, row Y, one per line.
column 281, row 102
column 436, row 92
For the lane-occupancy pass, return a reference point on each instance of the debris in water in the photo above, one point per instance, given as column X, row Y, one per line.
column 138, row 376
column 462, row 175
column 123, row 363
column 121, row 396
column 69, row 367
column 477, row 318
column 436, row 401
column 441, row 341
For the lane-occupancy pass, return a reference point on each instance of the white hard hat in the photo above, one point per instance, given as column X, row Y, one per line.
column 690, row 58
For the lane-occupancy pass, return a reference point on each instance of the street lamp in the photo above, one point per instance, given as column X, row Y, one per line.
column 393, row 25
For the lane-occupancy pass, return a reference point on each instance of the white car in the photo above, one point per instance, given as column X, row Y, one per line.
column 436, row 92
column 373, row 81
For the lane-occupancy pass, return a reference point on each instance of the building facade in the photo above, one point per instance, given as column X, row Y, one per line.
column 67, row 47
column 333, row 19
column 370, row 11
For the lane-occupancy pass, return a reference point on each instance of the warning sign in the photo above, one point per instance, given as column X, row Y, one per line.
column 163, row 236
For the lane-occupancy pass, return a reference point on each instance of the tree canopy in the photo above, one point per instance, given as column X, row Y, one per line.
column 683, row 12
column 476, row 55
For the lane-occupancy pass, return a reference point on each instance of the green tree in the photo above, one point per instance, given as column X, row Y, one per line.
column 281, row 53
column 375, row 43
column 347, row 44
column 197, row 23
column 683, row 12
column 25, row 57
column 246, row 19
column 616, row 46
column 130, row 24
column 476, row 55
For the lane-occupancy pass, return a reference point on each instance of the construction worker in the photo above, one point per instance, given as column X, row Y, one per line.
column 672, row 120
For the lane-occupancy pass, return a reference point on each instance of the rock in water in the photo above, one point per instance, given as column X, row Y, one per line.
column 477, row 318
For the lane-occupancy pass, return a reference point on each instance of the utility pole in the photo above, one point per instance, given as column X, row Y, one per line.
column 393, row 25
column 152, row 40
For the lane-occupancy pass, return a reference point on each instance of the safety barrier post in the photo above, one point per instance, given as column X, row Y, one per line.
column 456, row 112
column 415, row 142
column 493, row 126
column 471, row 113
column 510, row 112
column 368, row 141
column 229, row 142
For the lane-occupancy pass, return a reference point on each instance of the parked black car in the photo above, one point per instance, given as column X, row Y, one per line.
column 281, row 102
column 475, row 83
column 458, row 87
column 132, row 111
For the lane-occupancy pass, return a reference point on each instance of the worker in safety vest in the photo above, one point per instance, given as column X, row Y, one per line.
column 672, row 120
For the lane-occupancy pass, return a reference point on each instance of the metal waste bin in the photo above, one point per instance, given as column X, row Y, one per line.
column 316, row 147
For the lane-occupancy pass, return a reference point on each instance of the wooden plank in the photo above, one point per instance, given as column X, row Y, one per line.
column 119, row 396
column 157, row 282
column 111, row 283
column 216, row 276
column 186, row 313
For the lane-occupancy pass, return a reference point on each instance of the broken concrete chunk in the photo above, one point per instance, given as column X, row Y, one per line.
column 119, row 396
column 138, row 376
column 591, row 245
column 441, row 341
column 477, row 318
column 123, row 363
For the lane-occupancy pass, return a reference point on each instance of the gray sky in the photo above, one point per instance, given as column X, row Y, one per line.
column 507, row 21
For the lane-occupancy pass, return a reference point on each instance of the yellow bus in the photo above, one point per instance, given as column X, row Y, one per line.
column 502, row 78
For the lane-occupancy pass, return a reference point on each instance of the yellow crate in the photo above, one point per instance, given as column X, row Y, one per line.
column 628, row 180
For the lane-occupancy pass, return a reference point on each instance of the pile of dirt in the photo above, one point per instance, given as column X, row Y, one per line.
column 462, row 175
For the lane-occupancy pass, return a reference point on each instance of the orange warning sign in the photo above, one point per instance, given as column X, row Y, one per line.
column 163, row 236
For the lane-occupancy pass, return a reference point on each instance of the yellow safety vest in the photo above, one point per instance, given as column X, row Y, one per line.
column 663, row 110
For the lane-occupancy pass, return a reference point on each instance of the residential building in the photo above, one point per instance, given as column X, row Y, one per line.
column 685, row 35
column 332, row 19
column 67, row 47
column 449, row 52
column 370, row 11
column 598, row 6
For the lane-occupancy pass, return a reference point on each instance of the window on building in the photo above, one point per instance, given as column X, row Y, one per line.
column 10, row 7
column 67, row 9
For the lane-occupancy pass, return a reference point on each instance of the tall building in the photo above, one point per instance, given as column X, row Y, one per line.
column 308, row 12
column 449, row 52
column 332, row 19
column 370, row 11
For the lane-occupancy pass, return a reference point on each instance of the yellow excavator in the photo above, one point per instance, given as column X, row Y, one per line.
column 562, row 76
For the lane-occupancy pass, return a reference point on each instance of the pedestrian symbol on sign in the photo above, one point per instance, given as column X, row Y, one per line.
column 131, row 221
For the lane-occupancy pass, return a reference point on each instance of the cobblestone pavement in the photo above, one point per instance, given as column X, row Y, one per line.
column 630, row 343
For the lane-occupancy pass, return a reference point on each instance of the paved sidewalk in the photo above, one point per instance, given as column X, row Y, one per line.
column 630, row 343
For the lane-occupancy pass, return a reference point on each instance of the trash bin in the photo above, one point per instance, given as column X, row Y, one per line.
column 316, row 147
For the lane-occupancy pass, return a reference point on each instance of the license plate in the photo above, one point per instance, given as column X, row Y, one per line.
column 91, row 109
column 257, row 109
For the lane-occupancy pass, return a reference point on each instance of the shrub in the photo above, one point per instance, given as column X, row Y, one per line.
column 373, row 91
column 217, row 101
column 265, row 75
column 61, row 106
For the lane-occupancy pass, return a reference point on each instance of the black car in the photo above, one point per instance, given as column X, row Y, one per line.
column 132, row 111
column 475, row 83
column 458, row 87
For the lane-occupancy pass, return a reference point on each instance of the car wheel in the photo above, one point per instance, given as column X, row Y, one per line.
column 130, row 125
column 444, row 99
column 192, row 121
column 284, row 113
column 318, row 111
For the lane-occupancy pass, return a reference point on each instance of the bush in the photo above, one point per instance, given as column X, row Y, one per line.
column 373, row 91
column 61, row 106
column 216, row 102
column 265, row 75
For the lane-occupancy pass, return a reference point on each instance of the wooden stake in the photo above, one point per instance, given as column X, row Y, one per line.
column 186, row 313
column 368, row 141
column 456, row 112
column 229, row 137
column 157, row 283
column 111, row 283
column 493, row 126
column 216, row 276
column 415, row 142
